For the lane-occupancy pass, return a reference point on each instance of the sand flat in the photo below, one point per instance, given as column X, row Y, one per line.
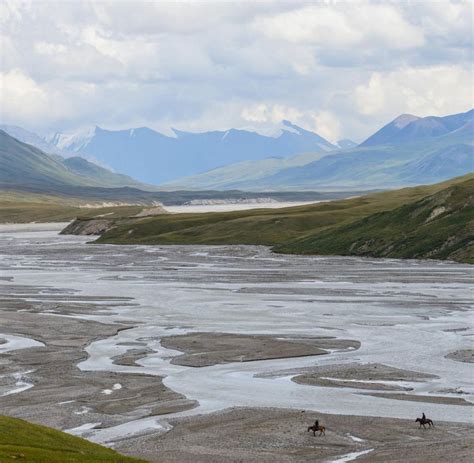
column 205, row 349
column 269, row 435
column 361, row 376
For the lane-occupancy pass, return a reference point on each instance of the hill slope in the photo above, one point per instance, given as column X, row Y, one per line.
column 23, row 441
column 24, row 165
column 242, row 173
column 439, row 226
column 287, row 228
column 33, row 139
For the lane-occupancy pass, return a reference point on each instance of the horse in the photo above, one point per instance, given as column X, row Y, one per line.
column 424, row 422
column 314, row 428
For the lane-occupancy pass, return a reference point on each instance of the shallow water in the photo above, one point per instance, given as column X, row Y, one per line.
column 400, row 311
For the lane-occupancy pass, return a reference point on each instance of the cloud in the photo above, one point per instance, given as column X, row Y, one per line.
column 264, row 116
column 436, row 90
column 21, row 97
column 336, row 67
column 343, row 25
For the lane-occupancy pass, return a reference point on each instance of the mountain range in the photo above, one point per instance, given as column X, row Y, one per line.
column 152, row 157
column 408, row 151
column 36, row 186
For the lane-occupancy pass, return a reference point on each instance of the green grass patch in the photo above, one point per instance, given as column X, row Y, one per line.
column 24, row 441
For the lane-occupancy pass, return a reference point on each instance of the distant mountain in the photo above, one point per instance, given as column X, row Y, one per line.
column 36, row 186
column 23, row 165
column 346, row 144
column 408, row 128
column 154, row 158
column 33, row 139
column 452, row 161
column 408, row 151
column 245, row 172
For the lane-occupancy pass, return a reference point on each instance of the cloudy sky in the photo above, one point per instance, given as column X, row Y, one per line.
column 340, row 68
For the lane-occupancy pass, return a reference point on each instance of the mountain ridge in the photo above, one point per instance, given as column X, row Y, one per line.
column 406, row 128
column 366, row 166
column 153, row 157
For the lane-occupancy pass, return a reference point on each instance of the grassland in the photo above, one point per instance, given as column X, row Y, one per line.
column 439, row 226
column 329, row 228
column 23, row 441
column 23, row 207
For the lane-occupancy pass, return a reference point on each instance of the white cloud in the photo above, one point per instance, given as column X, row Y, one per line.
column 21, row 97
column 48, row 48
column 436, row 90
column 341, row 68
column 327, row 124
column 343, row 25
column 263, row 115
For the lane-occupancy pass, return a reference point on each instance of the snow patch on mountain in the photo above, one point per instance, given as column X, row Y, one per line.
column 72, row 141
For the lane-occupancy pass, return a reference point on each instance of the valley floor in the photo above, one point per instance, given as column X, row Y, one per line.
column 228, row 353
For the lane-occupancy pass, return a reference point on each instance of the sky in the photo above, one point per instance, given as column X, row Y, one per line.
column 340, row 68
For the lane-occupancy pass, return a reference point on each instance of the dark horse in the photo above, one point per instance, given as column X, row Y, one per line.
column 424, row 421
column 314, row 428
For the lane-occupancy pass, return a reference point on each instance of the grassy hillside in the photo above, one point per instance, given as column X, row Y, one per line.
column 23, row 441
column 270, row 227
column 439, row 226
column 24, row 165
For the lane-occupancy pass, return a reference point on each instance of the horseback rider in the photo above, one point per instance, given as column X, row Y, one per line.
column 316, row 424
column 423, row 417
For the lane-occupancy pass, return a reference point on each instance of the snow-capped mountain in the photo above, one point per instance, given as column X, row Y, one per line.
column 154, row 158
column 72, row 142
column 31, row 138
column 408, row 151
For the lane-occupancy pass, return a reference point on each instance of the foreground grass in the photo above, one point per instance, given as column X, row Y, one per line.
column 23, row 441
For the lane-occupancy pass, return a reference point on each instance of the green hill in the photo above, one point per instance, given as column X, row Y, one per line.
column 23, row 441
column 439, row 226
column 296, row 229
column 24, row 165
